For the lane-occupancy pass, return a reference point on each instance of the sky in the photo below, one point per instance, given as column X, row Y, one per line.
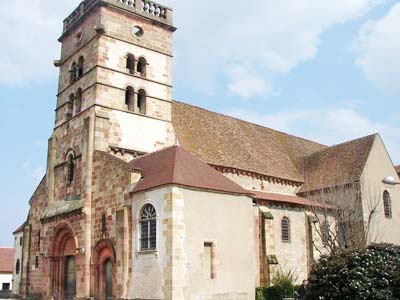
column 325, row 70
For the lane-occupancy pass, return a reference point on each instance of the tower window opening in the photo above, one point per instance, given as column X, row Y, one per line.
column 103, row 225
column 78, row 101
column 141, row 103
column 130, row 63
column 129, row 98
column 72, row 73
column 81, row 63
column 70, row 106
column 70, row 169
column 141, row 66
column 17, row 266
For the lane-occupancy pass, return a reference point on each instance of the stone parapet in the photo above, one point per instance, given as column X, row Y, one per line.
column 144, row 8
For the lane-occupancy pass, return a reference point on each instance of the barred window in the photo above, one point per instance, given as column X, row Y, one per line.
column 148, row 228
column 325, row 232
column 387, row 205
column 285, row 225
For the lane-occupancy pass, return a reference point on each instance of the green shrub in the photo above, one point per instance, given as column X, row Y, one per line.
column 283, row 287
column 367, row 274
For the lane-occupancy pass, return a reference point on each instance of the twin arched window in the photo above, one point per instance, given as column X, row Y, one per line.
column 136, row 66
column 148, row 228
column 135, row 102
column 74, row 104
column 78, row 101
column 76, row 70
column 387, row 205
column 285, row 230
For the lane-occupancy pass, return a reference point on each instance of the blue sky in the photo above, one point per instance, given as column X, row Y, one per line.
column 327, row 70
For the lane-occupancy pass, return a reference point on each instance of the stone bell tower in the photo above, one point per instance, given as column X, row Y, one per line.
column 116, row 64
column 115, row 96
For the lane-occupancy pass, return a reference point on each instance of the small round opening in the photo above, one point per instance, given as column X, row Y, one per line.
column 137, row 31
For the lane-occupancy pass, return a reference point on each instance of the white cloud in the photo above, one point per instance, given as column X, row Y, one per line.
column 247, row 84
column 379, row 44
column 270, row 36
column 29, row 31
column 328, row 126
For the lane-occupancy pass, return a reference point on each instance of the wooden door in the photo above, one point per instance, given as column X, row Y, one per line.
column 70, row 278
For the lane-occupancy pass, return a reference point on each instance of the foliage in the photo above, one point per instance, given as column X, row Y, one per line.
column 283, row 287
column 371, row 273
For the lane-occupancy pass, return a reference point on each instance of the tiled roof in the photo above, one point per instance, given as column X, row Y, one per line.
column 225, row 141
column 337, row 165
column 6, row 260
column 20, row 228
column 281, row 198
column 175, row 165
column 398, row 169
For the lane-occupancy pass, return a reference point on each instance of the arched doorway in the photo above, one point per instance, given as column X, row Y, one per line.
column 104, row 262
column 63, row 263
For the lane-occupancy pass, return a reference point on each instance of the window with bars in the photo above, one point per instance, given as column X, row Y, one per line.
column 285, row 226
column 148, row 228
column 387, row 205
column 325, row 232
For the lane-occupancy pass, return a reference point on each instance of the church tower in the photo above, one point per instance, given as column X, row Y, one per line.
column 114, row 97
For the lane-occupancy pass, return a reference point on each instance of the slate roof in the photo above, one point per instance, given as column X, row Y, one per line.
column 226, row 141
column 175, row 165
column 6, row 260
column 337, row 165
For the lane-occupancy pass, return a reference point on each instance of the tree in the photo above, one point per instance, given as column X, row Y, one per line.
column 345, row 216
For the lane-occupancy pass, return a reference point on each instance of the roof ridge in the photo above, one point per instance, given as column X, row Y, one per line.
column 258, row 125
column 342, row 144
column 152, row 153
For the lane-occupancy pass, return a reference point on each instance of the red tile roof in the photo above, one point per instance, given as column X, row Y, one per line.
column 280, row 198
column 337, row 165
column 6, row 260
column 225, row 141
column 175, row 165
column 397, row 169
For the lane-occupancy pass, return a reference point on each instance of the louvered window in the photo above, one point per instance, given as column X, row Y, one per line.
column 148, row 228
column 285, row 224
column 387, row 204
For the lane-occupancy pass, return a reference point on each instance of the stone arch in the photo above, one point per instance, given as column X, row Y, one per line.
column 63, row 249
column 103, row 255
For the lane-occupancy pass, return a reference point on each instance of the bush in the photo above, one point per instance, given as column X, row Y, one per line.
column 367, row 274
column 283, row 287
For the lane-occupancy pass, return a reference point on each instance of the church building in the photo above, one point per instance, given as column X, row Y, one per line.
column 149, row 198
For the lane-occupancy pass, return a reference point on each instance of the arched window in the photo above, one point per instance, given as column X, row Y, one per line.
column 325, row 232
column 148, row 228
column 70, row 168
column 70, row 106
column 17, row 266
column 81, row 63
column 129, row 98
column 141, row 103
column 78, row 101
column 141, row 66
column 387, row 205
column 72, row 73
column 130, row 63
column 285, row 226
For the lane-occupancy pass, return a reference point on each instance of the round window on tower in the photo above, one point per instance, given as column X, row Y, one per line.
column 137, row 31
